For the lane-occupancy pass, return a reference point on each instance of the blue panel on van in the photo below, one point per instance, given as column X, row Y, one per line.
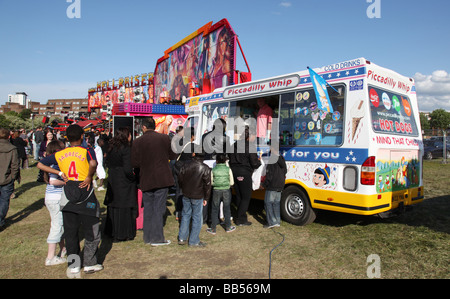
column 325, row 155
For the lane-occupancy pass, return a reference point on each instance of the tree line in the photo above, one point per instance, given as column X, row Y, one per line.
column 438, row 119
column 13, row 120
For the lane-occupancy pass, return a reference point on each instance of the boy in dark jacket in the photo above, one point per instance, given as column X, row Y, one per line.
column 274, row 184
column 195, row 182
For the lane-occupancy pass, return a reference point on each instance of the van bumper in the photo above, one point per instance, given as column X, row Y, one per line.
column 363, row 204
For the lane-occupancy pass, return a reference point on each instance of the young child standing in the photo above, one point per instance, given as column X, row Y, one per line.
column 274, row 184
column 222, row 180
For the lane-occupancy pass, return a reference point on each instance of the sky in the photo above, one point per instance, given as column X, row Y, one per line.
column 48, row 55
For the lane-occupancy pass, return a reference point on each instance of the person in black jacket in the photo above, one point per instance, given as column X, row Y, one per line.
column 21, row 144
column 195, row 182
column 243, row 161
column 186, row 154
column 9, row 172
column 274, row 184
column 151, row 154
column 121, row 194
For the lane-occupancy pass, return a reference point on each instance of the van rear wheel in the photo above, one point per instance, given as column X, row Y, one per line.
column 295, row 206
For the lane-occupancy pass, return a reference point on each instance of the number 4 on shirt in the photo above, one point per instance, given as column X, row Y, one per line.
column 73, row 171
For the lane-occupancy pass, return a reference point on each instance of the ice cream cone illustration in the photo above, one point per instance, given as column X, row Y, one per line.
column 357, row 114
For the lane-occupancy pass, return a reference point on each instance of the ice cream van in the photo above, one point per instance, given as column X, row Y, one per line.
column 350, row 135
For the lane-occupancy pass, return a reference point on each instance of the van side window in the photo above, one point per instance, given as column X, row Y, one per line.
column 211, row 112
column 302, row 123
column 191, row 122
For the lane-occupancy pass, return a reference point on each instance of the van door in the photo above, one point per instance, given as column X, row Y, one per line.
column 397, row 171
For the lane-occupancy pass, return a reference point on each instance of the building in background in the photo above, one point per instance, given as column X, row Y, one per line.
column 53, row 107
column 20, row 98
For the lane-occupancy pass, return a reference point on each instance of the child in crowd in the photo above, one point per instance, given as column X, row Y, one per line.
column 52, row 198
column 221, row 180
column 274, row 184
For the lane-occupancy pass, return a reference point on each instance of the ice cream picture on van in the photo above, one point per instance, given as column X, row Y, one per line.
column 357, row 114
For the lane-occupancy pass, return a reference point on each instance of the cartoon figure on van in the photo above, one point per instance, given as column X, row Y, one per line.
column 380, row 183
column 321, row 176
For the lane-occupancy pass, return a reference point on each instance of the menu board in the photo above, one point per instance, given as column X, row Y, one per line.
column 391, row 112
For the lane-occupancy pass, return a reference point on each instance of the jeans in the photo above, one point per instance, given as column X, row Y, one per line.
column 272, row 205
column 225, row 196
column 192, row 209
column 5, row 194
column 154, row 210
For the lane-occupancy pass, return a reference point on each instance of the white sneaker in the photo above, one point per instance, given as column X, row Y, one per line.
column 56, row 260
column 92, row 269
column 167, row 242
column 73, row 272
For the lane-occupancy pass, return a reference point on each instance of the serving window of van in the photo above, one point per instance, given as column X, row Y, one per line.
column 302, row 123
column 213, row 111
column 391, row 113
column 257, row 113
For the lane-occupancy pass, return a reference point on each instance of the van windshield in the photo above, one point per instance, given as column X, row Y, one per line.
column 391, row 113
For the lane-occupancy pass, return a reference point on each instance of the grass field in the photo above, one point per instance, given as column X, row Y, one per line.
column 413, row 245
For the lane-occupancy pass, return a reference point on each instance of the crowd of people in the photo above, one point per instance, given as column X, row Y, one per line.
column 69, row 165
column 26, row 145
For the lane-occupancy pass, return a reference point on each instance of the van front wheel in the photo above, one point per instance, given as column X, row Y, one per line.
column 295, row 206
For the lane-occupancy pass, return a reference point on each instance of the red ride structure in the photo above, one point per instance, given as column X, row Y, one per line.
column 198, row 64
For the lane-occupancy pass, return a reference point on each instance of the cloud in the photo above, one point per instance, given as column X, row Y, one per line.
column 286, row 4
column 433, row 91
column 283, row 4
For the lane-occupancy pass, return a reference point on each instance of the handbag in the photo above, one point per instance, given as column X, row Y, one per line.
column 258, row 175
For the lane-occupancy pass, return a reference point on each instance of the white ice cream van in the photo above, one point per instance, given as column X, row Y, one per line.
column 360, row 155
